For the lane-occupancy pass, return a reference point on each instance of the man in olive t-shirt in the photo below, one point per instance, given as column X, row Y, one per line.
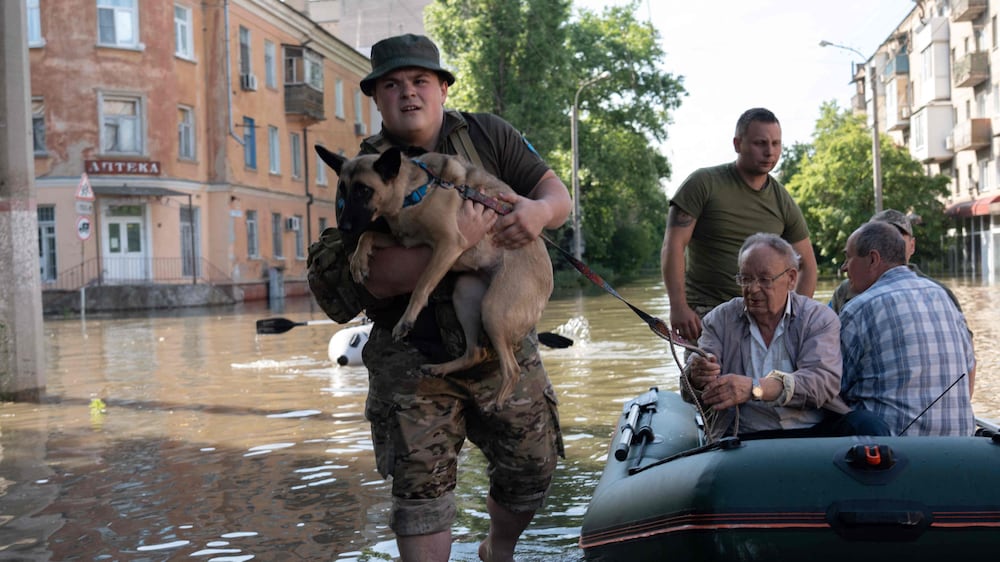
column 715, row 210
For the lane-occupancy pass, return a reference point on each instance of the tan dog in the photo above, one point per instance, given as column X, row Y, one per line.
column 505, row 290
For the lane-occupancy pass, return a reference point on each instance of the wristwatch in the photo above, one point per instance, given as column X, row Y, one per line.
column 756, row 392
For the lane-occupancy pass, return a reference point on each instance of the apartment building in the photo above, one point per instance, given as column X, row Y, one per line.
column 173, row 140
column 938, row 96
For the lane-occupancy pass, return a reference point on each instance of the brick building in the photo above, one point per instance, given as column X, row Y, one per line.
column 173, row 140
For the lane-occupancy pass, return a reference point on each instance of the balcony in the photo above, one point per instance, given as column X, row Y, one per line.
column 858, row 103
column 967, row 10
column 972, row 134
column 898, row 65
column 303, row 99
column 972, row 69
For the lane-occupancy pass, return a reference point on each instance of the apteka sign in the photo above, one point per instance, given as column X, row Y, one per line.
column 114, row 167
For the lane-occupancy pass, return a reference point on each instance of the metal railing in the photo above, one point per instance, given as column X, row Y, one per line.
column 137, row 271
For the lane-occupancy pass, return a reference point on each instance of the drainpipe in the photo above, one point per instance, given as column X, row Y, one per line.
column 229, row 77
column 305, row 174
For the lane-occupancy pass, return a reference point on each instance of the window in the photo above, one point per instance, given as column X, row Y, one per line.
column 122, row 124
column 993, row 31
column 118, row 23
column 185, row 133
column 47, row 242
column 35, row 38
column 338, row 98
column 276, row 238
column 320, row 172
column 303, row 67
column 249, row 144
column 38, row 125
column 322, row 224
column 273, row 150
column 359, row 110
column 296, row 148
column 244, row 50
column 253, row 243
column 270, row 66
column 300, row 243
column 183, row 37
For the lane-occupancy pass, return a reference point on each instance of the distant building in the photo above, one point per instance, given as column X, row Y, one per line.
column 939, row 95
column 194, row 124
column 361, row 23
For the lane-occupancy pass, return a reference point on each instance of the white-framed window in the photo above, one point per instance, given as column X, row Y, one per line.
column 253, row 235
column 183, row 32
column 38, row 126
column 273, row 150
column 277, row 239
column 320, row 172
column 300, row 244
column 303, row 66
column 34, row 14
column 245, row 67
column 359, row 112
column 270, row 65
column 338, row 98
column 323, row 224
column 249, row 143
column 185, row 133
column 118, row 23
column 296, row 151
column 122, row 124
column 47, row 242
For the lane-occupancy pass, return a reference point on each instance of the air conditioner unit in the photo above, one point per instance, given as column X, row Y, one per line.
column 360, row 129
column 949, row 142
column 904, row 112
column 293, row 224
column 248, row 82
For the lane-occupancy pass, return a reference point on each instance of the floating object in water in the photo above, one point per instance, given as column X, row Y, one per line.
column 345, row 345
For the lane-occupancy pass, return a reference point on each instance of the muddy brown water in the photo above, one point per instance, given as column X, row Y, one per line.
column 214, row 443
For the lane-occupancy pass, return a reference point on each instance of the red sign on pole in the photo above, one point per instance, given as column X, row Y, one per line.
column 83, row 190
column 83, row 227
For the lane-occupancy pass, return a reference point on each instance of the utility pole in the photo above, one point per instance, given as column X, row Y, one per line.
column 575, row 149
column 22, row 361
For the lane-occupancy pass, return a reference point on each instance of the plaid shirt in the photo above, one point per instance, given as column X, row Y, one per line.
column 904, row 343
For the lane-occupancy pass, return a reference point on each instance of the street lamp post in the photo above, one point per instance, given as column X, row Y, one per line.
column 876, row 148
column 575, row 149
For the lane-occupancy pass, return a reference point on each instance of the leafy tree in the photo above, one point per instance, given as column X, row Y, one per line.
column 834, row 187
column 791, row 160
column 525, row 59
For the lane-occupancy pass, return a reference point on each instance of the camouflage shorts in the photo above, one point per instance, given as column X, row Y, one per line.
column 419, row 423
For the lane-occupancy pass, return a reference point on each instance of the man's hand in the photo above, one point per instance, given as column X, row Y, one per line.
column 727, row 391
column 703, row 370
column 474, row 221
column 685, row 322
column 523, row 224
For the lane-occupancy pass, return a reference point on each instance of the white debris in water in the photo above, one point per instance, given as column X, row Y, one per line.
column 164, row 546
column 297, row 414
column 240, row 534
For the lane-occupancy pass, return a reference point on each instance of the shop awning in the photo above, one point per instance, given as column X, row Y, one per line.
column 134, row 191
column 977, row 207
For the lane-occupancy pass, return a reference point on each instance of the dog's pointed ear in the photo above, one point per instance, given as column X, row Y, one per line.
column 332, row 160
column 388, row 164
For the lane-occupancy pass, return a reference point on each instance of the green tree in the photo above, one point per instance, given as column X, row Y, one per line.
column 524, row 60
column 791, row 160
column 834, row 187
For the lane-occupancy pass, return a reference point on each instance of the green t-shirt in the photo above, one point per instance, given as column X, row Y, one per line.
column 728, row 211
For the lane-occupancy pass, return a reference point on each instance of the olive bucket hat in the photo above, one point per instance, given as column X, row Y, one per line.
column 404, row 51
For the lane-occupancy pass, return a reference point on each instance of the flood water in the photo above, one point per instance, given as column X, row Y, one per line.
column 214, row 443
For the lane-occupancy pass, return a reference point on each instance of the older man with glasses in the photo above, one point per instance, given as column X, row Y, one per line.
column 774, row 362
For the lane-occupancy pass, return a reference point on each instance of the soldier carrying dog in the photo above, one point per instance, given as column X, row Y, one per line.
column 420, row 421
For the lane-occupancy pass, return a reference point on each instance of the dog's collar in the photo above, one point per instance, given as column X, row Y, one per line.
column 466, row 191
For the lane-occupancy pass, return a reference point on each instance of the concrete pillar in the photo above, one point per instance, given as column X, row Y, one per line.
column 22, row 364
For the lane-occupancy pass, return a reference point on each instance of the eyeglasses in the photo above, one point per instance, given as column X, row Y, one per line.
column 763, row 282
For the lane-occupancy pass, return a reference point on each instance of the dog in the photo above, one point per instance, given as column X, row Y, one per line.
column 504, row 291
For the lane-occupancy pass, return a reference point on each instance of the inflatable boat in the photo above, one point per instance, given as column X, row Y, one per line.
column 668, row 495
column 346, row 344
